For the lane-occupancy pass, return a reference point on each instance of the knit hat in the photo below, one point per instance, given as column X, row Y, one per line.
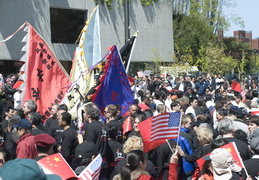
column 44, row 140
column 26, row 169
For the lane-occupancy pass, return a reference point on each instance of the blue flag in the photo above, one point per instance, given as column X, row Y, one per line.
column 114, row 87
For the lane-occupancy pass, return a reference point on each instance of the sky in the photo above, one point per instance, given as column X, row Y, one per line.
column 249, row 12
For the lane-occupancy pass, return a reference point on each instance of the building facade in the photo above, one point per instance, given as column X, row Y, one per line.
column 60, row 22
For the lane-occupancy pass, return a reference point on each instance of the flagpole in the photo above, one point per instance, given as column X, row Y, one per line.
column 179, row 130
column 170, row 146
column 235, row 146
column 136, row 34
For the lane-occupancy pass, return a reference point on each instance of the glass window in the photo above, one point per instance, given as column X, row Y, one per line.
column 66, row 24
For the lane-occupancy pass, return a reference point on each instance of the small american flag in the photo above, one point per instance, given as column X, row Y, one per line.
column 165, row 126
column 92, row 171
column 211, row 109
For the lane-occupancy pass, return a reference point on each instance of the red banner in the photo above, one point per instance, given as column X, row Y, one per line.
column 45, row 76
column 231, row 147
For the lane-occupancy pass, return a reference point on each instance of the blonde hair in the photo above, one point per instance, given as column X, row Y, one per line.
column 133, row 143
column 183, row 100
column 204, row 134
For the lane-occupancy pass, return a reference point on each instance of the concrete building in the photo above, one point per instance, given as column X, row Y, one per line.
column 60, row 22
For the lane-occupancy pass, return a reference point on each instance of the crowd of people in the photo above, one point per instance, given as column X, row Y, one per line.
column 213, row 114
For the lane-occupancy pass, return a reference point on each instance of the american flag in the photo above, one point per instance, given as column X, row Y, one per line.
column 211, row 109
column 92, row 171
column 165, row 126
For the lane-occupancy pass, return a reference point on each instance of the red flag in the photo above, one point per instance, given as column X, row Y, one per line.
column 18, row 84
column 127, row 125
column 131, row 80
column 143, row 107
column 157, row 129
column 145, row 130
column 56, row 164
column 46, row 80
column 92, row 171
column 231, row 147
column 254, row 112
column 236, row 86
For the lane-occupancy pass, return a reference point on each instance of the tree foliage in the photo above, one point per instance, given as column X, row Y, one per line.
column 190, row 33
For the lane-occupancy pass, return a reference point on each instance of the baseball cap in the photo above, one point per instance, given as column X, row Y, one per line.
column 26, row 169
column 44, row 140
column 233, row 109
column 23, row 123
column 86, row 150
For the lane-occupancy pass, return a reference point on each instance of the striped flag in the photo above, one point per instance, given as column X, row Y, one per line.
column 211, row 109
column 156, row 130
column 92, row 171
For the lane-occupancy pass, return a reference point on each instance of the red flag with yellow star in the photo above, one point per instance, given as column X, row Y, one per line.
column 145, row 130
column 232, row 148
column 56, row 164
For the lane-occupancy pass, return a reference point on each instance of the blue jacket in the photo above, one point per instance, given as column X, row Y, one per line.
column 186, row 146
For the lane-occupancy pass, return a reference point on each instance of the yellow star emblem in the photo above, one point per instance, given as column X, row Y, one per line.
column 56, row 159
column 229, row 149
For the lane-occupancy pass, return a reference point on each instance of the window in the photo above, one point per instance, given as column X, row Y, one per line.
column 66, row 24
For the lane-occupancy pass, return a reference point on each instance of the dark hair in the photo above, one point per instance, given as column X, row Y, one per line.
column 112, row 132
column 217, row 143
column 191, row 116
column 8, row 109
column 43, row 149
column 254, row 93
column 20, row 112
column 35, row 118
column 149, row 113
column 239, row 96
column 206, row 168
column 200, row 101
column 136, row 101
column 208, row 97
column 174, row 103
column 6, row 154
column 222, row 112
column 254, row 119
column 133, row 159
column 140, row 93
column 192, row 99
column 158, row 95
column 140, row 115
column 93, row 111
column 118, row 107
column 241, row 135
column 218, row 105
column 66, row 117
column 63, row 107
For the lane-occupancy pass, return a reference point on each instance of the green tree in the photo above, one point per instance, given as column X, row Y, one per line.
column 190, row 34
